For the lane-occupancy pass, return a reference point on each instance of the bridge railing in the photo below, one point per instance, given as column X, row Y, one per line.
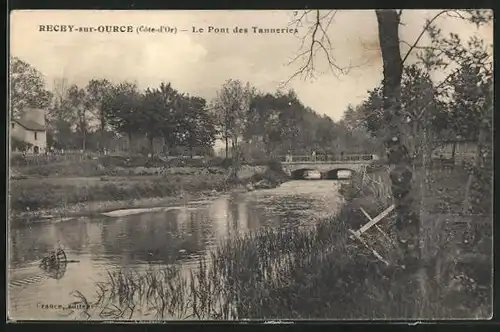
column 321, row 158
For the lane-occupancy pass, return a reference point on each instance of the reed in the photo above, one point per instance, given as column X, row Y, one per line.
column 313, row 272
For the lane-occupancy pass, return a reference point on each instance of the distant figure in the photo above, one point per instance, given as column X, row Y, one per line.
column 342, row 155
column 289, row 157
column 314, row 155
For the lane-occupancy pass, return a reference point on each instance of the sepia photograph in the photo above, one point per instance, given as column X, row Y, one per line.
column 267, row 165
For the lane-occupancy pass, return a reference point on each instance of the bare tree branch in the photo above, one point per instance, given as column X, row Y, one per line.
column 319, row 41
column 422, row 34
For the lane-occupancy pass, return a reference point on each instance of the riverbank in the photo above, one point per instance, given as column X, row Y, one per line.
column 41, row 199
column 317, row 273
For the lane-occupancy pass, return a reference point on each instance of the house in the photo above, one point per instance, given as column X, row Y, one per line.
column 31, row 129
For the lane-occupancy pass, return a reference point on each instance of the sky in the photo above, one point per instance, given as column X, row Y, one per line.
column 198, row 63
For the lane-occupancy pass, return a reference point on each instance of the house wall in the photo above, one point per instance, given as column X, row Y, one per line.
column 18, row 131
column 28, row 136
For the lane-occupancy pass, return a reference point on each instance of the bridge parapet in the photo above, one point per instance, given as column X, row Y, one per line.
column 354, row 158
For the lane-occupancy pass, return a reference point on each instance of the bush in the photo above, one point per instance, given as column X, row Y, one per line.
column 19, row 145
column 275, row 166
column 113, row 161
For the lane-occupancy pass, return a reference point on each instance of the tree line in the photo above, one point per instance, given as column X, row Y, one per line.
column 250, row 123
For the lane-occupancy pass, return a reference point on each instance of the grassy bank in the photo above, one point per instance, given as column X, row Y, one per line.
column 62, row 195
column 315, row 272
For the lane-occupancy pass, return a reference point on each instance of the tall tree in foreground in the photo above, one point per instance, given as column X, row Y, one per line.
column 27, row 87
column 407, row 219
column 406, row 196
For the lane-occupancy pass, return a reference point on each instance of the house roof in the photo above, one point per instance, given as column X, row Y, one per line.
column 29, row 124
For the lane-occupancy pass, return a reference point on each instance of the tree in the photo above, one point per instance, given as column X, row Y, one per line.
column 471, row 111
column 158, row 113
column 27, row 87
column 417, row 92
column 405, row 196
column 96, row 92
column 78, row 103
column 61, row 117
column 196, row 126
column 123, row 108
column 232, row 104
column 62, row 136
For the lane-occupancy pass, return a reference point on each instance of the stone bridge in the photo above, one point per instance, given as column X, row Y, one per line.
column 296, row 166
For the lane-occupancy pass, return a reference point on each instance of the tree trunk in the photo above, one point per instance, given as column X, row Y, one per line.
column 407, row 213
column 453, row 150
column 235, row 158
column 151, row 146
column 103, row 125
column 227, row 147
column 129, row 143
column 84, row 140
column 466, row 205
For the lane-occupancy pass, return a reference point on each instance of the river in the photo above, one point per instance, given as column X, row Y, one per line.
column 176, row 234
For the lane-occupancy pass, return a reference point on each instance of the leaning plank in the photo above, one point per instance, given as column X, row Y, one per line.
column 378, row 228
column 375, row 220
column 374, row 252
column 366, row 214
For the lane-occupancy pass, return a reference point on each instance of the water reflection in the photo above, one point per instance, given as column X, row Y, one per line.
column 178, row 235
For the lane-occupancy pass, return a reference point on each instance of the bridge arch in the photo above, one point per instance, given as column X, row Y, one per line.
column 334, row 173
column 300, row 173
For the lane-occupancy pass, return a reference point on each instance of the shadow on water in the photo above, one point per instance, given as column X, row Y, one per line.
column 178, row 235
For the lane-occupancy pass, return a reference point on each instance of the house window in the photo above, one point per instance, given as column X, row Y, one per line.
column 35, row 133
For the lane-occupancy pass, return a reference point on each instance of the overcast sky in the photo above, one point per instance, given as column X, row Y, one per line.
column 200, row 63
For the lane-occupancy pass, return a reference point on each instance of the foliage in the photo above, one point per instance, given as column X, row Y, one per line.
column 231, row 106
column 19, row 145
column 418, row 95
column 258, row 125
column 158, row 113
column 97, row 93
column 27, row 87
column 284, row 124
column 196, row 128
